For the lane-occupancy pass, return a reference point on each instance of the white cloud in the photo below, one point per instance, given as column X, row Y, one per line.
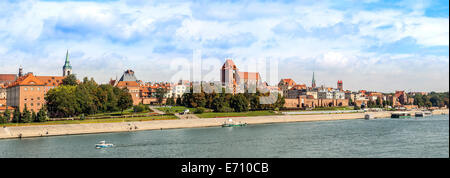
column 145, row 36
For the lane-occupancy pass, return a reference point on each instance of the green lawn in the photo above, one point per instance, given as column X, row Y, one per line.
column 235, row 114
column 174, row 109
column 87, row 121
column 119, row 113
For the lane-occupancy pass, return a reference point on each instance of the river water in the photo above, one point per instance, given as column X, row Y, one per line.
column 414, row 137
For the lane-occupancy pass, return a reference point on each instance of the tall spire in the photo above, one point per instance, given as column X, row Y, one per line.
column 313, row 85
column 67, row 68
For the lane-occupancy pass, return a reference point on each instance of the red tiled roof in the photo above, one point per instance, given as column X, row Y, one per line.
column 28, row 79
column 289, row 82
column 299, row 87
column 127, row 84
column 51, row 80
column 229, row 63
column 7, row 78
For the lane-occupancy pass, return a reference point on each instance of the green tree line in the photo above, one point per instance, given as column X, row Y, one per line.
column 227, row 102
column 433, row 99
column 72, row 98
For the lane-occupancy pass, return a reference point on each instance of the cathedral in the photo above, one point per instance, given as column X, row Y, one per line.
column 235, row 81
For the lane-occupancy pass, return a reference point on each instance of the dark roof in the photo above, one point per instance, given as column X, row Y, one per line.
column 128, row 75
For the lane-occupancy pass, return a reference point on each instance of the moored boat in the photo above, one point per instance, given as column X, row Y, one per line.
column 230, row 123
column 401, row 115
column 419, row 114
column 103, row 144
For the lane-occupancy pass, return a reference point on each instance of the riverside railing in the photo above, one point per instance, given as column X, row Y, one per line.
column 107, row 117
column 324, row 112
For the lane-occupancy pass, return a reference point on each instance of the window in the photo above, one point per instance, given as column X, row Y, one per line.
column 38, row 98
column 25, row 89
column 38, row 104
column 31, row 88
column 31, row 104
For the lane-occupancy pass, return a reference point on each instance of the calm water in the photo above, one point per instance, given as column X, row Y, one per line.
column 422, row 137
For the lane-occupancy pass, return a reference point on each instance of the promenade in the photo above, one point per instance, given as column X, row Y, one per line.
column 71, row 129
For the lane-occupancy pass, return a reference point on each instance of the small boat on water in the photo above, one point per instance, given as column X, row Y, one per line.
column 427, row 113
column 103, row 144
column 230, row 123
column 368, row 117
column 423, row 114
column 401, row 115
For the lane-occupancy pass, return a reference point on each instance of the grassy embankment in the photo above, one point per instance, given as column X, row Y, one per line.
column 97, row 118
column 174, row 109
column 210, row 114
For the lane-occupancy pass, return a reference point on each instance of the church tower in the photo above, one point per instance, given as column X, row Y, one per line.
column 313, row 83
column 20, row 71
column 67, row 68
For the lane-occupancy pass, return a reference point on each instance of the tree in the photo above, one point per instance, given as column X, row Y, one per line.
column 62, row 101
column 159, row 94
column 16, row 115
column 170, row 101
column 33, row 116
column 125, row 100
column 7, row 114
column 41, row 115
column 239, row 103
column 70, row 80
column 3, row 119
column 178, row 102
column 26, row 115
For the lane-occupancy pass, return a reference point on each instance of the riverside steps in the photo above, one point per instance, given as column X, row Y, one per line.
column 71, row 129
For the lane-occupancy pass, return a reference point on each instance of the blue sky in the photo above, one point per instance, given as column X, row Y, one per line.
column 369, row 44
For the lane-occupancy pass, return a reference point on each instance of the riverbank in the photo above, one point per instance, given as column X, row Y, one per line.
column 73, row 129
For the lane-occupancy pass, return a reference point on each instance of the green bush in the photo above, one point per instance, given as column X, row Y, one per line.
column 199, row 110
column 140, row 108
column 82, row 117
column 226, row 109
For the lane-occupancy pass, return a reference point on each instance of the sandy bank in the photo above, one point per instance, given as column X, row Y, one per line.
column 70, row 129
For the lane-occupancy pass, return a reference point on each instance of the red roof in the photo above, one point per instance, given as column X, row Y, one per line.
column 51, row 80
column 289, row 82
column 7, row 78
column 298, row 87
column 28, row 79
column 229, row 64
column 127, row 84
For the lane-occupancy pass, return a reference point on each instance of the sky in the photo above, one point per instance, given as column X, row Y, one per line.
column 376, row 45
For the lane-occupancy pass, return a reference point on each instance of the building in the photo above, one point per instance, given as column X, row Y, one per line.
column 285, row 85
column 401, row 97
column 130, row 82
column 235, row 81
column 27, row 91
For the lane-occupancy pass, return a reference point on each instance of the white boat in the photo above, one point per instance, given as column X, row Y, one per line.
column 103, row 144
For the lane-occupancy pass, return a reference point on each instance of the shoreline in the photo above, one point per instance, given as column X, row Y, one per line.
column 92, row 128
